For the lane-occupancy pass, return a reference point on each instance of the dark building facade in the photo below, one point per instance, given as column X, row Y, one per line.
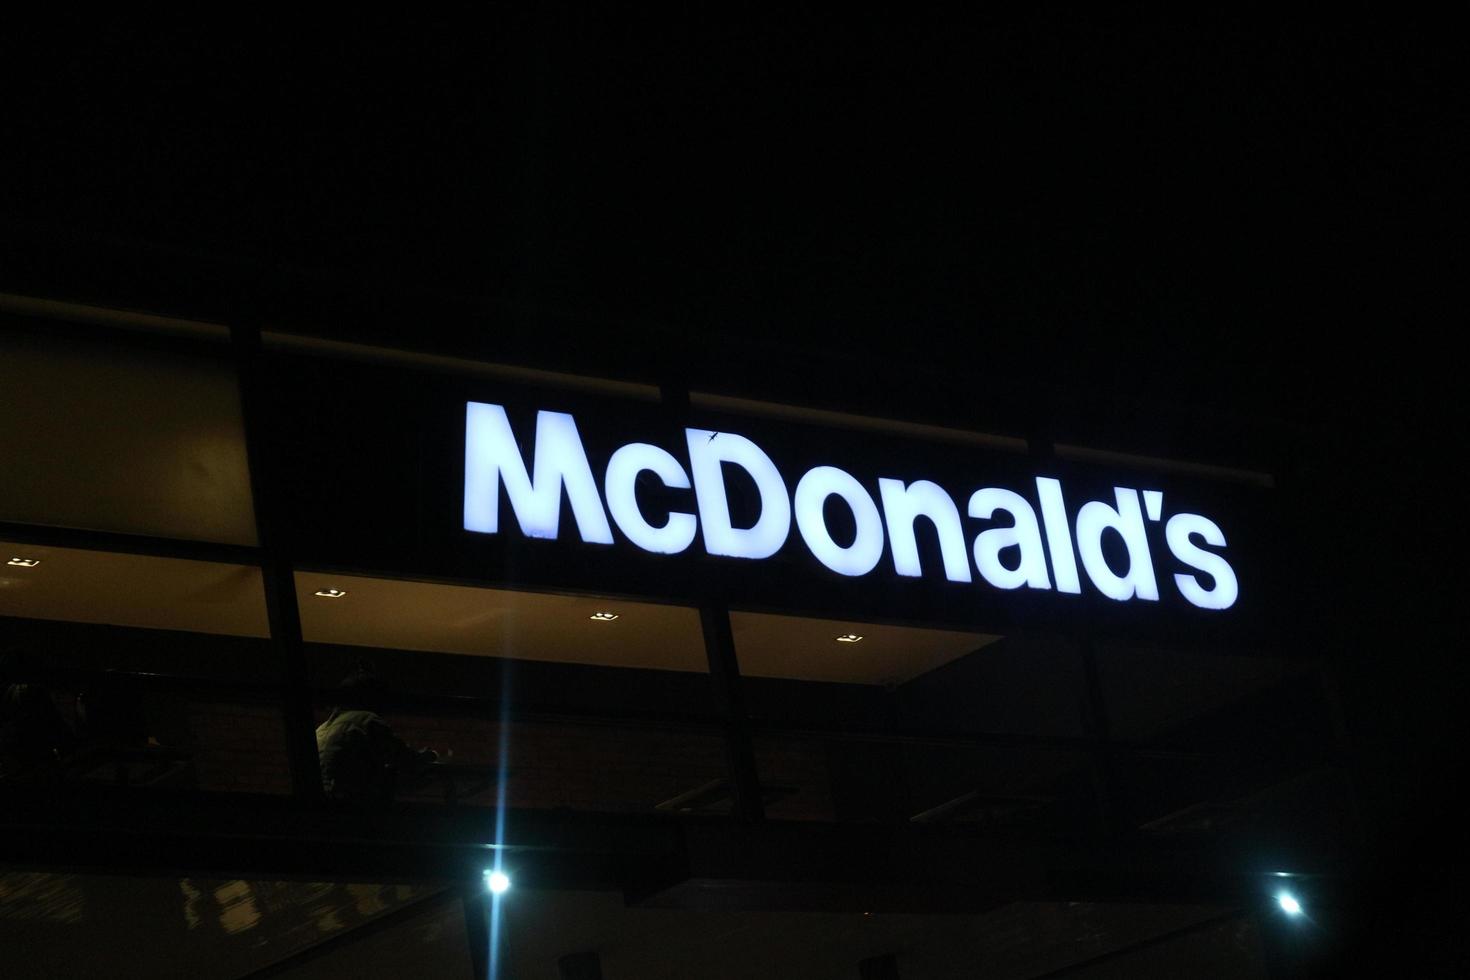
column 794, row 589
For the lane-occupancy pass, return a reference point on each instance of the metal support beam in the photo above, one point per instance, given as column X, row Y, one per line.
column 277, row 569
column 1104, row 773
column 719, row 644
column 477, row 929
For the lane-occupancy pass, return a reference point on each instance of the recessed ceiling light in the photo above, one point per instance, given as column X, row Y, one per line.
column 848, row 638
column 24, row 562
column 604, row 617
column 330, row 593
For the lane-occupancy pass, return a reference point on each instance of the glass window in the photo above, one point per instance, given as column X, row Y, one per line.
column 820, row 673
column 1219, row 742
column 112, row 437
column 110, row 730
column 870, row 722
column 137, row 671
column 805, row 671
column 542, row 701
column 842, row 652
column 894, row 780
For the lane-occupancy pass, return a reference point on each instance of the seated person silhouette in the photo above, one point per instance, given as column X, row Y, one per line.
column 34, row 737
column 362, row 760
column 112, row 717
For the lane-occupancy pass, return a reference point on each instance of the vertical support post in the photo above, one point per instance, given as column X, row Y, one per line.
column 476, row 929
column 580, row 966
column 724, row 668
column 277, row 569
column 719, row 648
column 1105, row 782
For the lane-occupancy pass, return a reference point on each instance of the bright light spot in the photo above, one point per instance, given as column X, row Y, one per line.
column 1024, row 535
column 902, row 505
column 330, row 593
column 603, row 617
column 497, row 881
column 492, row 458
column 848, row 638
column 858, row 558
column 24, row 562
column 1288, row 903
column 1180, row 533
column 1094, row 519
column 708, row 453
column 623, row 471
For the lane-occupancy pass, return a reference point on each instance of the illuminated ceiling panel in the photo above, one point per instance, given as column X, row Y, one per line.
column 821, row 649
column 393, row 614
column 132, row 590
column 461, row 619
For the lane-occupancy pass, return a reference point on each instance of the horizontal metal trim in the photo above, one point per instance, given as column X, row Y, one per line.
column 303, row 344
column 1207, row 471
column 844, row 420
column 52, row 309
column 87, row 539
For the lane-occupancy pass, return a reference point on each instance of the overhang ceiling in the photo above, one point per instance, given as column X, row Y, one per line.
column 808, row 649
column 500, row 623
column 79, row 585
column 82, row 586
column 390, row 613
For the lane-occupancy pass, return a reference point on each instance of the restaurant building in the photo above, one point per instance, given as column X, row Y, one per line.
column 731, row 668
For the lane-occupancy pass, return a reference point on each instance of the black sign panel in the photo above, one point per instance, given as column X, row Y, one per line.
column 378, row 461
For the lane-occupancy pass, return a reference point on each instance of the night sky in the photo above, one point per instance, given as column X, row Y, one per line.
column 1215, row 207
